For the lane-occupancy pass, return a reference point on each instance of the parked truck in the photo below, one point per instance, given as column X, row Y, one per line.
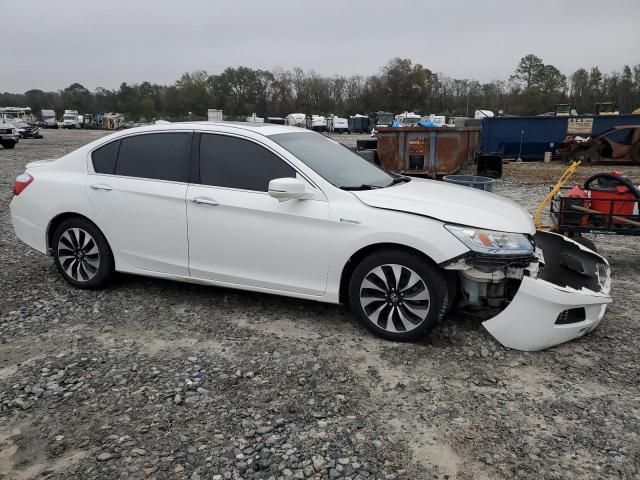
column 70, row 119
column 48, row 119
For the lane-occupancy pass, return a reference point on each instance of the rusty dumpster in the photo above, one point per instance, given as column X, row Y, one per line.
column 428, row 151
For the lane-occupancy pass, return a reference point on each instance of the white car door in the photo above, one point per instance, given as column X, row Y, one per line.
column 240, row 235
column 137, row 191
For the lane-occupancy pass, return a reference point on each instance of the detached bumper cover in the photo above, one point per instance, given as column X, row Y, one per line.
column 567, row 300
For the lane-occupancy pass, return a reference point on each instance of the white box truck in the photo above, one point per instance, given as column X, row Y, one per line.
column 70, row 119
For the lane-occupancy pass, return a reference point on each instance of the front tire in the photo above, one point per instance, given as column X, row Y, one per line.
column 9, row 144
column 398, row 295
column 81, row 254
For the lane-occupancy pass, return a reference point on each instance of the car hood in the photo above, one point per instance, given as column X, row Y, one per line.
column 451, row 203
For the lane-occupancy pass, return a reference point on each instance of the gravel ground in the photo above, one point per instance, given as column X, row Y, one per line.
column 157, row 379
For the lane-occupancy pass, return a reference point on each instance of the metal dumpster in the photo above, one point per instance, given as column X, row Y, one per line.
column 430, row 151
column 530, row 137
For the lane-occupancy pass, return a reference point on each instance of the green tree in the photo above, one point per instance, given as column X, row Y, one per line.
column 529, row 71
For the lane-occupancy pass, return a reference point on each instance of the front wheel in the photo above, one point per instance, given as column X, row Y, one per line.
column 9, row 144
column 81, row 254
column 398, row 295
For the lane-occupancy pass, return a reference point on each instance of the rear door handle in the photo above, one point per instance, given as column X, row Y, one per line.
column 101, row 186
column 205, row 201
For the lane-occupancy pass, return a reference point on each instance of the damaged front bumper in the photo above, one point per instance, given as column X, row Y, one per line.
column 566, row 300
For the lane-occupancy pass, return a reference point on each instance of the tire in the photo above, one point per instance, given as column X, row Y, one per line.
column 400, row 314
column 81, row 254
column 9, row 144
column 585, row 242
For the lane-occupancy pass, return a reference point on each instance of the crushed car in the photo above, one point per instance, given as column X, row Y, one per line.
column 25, row 130
column 188, row 201
column 620, row 144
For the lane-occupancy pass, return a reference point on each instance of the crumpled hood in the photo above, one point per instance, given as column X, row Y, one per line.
column 451, row 204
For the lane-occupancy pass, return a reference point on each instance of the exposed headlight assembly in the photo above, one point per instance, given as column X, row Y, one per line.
column 491, row 242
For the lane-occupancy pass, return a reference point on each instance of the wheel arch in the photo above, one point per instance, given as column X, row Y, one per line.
column 358, row 256
column 61, row 217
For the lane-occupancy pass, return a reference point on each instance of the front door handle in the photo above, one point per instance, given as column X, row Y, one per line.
column 205, row 201
column 101, row 186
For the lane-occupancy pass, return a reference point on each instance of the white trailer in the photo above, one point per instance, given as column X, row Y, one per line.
column 254, row 119
column 296, row 120
column 337, row 124
column 214, row 115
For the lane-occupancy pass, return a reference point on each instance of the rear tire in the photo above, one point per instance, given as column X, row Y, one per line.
column 398, row 295
column 9, row 144
column 81, row 254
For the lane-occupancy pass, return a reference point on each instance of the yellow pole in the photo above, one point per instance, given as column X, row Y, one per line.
column 563, row 179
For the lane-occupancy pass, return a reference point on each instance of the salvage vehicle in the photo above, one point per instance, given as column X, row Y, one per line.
column 9, row 135
column 621, row 144
column 287, row 211
column 25, row 130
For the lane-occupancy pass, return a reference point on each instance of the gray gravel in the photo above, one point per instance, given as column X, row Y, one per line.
column 156, row 379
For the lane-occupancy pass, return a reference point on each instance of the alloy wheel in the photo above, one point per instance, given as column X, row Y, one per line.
column 395, row 298
column 78, row 254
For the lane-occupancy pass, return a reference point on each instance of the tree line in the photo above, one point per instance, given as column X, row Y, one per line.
column 534, row 88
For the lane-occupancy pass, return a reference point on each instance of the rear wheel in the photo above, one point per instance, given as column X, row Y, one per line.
column 81, row 254
column 397, row 295
column 9, row 144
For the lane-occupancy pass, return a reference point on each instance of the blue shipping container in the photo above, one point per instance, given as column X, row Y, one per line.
column 531, row 137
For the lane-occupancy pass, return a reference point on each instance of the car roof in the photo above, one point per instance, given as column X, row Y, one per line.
column 266, row 129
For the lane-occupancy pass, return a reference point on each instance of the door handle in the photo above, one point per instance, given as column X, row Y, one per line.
column 101, row 186
column 205, row 201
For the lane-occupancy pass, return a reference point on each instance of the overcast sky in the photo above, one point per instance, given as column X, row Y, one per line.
column 50, row 44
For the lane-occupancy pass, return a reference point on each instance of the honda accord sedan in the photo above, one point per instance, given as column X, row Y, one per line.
column 283, row 210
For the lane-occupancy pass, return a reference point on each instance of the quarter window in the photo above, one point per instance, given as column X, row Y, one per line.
column 232, row 162
column 161, row 156
column 104, row 158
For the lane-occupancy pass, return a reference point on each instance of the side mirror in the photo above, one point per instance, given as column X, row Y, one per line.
column 287, row 188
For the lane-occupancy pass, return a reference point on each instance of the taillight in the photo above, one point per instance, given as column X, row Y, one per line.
column 22, row 181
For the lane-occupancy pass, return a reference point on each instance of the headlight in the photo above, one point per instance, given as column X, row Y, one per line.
column 491, row 242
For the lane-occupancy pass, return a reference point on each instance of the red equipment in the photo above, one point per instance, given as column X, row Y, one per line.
column 612, row 194
column 575, row 196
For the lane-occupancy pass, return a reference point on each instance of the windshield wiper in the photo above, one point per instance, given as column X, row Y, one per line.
column 399, row 179
column 359, row 187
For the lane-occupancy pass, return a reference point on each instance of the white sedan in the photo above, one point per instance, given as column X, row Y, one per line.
column 287, row 211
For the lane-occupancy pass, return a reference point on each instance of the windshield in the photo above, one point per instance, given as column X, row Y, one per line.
column 335, row 163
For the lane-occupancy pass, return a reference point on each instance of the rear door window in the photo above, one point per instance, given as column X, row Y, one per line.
column 159, row 156
column 233, row 162
column 104, row 158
